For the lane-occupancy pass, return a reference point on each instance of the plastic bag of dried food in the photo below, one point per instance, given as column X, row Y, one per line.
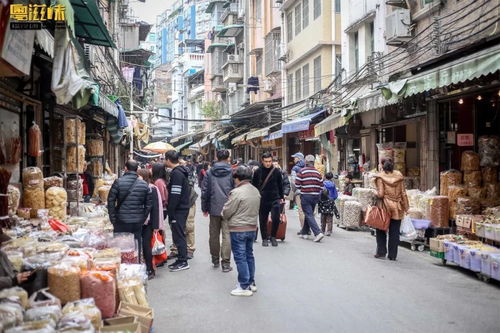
column 14, row 197
column 407, row 230
column 476, row 192
column 492, row 190
column 449, row 178
column 470, row 161
column 454, row 192
column 439, row 211
column 86, row 307
column 489, row 150
column 16, row 258
column 131, row 279
column 49, row 182
column 75, row 323
column 468, row 206
column 34, row 198
column 97, row 240
column 352, row 214
column 365, row 196
column 34, row 141
column 32, row 176
column 104, row 192
column 385, row 151
column 75, row 130
column 75, row 158
column 11, row 313
column 399, row 154
column 490, row 175
column 42, row 298
column 416, row 213
column 51, row 313
column 16, row 292
column 95, row 147
column 33, row 327
column 64, row 282
column 472, row 178
column 56, row 201
column 101, row 286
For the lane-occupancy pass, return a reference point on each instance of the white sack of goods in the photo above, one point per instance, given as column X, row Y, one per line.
column 365, row 196
column 352, row 214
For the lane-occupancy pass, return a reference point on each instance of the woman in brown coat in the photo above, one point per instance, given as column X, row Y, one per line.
column 391, row 189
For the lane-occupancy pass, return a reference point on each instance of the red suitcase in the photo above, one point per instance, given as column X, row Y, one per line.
column 281, row 228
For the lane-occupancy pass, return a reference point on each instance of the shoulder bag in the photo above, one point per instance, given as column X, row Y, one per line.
column 267, row 179
column 377, row 216
column 130, row 189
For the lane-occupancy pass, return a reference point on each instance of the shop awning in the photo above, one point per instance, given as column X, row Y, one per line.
column 373, row 100
column 212, row 135
column 300, row 124
column 239, row 138
column 89, row 25
column 274, row 135
column 107, row 105
column 185, row 136
column 45, row 40
column 183, row 145
column 330, row 123
column 260, row 132
column 467, row 68
column 232, row 30
column 212, row 46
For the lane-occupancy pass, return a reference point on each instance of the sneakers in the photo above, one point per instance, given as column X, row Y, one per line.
column 328, row 234
column 226, row 268
column 274, row 242
column 319, row 237
column 253, row 287
column 304, row 236
column 173, row 265
column 216, row 264
column 241, row 292
column 180, row 267
column 265, row 243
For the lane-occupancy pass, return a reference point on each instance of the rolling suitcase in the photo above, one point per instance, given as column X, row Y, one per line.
column 281, row 228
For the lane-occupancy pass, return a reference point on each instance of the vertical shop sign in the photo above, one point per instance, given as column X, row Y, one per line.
column 465, row 140
column 18, row 48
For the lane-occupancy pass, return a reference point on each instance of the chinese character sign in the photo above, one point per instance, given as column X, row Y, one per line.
column 37, row 13
column 465, row 140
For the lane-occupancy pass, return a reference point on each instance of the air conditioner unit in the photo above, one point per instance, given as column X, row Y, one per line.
column 268, row 86
column 87, row 50
column 232, row 88
column 397, row 27
column 233, row 57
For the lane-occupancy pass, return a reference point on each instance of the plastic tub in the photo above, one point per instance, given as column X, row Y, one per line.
column 448, row 250
column 464, row 256
column 497, row 232
column 486, row 262
column 489, row 231
column 495, row 267
column 421, row 224
column 480, row 229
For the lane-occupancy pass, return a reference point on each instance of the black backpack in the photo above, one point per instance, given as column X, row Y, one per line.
column 193, row 196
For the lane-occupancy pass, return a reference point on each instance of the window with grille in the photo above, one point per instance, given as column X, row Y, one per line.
column 272, row 53
column 356, row 51
column 258, row 64
column 317, row 74
column 289, row 26
column 298, row 19
column 305, row 13
column 317, row 8
column 289, row 87
column 298, row 85
column 305, row 80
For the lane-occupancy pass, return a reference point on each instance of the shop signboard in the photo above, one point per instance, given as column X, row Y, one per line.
column 451, row 137
column 303, row 135
column 18, row 48
column 465, row 140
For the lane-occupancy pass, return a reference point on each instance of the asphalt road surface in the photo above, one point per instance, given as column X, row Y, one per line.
column 333, row 286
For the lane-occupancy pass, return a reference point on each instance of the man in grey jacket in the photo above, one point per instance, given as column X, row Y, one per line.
column 241, row 212
column 214, row 192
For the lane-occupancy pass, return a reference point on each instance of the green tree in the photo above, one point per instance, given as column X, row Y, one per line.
column 211, row 110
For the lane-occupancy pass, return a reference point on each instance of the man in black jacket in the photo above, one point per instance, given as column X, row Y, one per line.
column 129, row 202
column 272, row 197
column 179, row 193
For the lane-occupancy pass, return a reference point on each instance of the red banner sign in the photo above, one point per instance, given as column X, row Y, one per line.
column 465, row 140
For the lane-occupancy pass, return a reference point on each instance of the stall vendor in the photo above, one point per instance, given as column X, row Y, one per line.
column 8, row 277
column 88, row 183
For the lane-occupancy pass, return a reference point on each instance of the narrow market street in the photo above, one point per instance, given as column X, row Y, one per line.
column 333, row 286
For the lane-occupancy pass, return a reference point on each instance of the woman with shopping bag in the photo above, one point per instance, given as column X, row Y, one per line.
column 394, row 203
column 152, row 224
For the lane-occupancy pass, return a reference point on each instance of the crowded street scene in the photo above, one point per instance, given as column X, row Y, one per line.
column 249, row 166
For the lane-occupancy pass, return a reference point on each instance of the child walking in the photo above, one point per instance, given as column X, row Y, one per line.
column 327, row 206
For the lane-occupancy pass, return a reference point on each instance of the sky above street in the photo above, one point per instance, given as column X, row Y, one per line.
column 147, row 11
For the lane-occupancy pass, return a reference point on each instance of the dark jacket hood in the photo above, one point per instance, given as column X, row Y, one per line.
column 221, row 169
column 183, row 169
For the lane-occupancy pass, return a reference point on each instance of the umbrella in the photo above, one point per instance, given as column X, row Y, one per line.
column 159, row 147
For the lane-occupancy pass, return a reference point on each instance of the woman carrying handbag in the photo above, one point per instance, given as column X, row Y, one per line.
column 391, row 191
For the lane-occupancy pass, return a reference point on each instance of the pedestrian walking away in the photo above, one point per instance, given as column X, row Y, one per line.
column 178, row 207
column 268, row 180
column 310, row 184
column 298, row 159
column 241, row 211
column 327, row 204
column 286, row 183
column 391, row 189
column 214, row 193
column 152, row 223
column 130, row 202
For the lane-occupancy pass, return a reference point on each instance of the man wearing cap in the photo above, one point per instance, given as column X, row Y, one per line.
column 310, row 184
column 298, row 159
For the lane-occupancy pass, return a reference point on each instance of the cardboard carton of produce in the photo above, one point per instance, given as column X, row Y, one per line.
column 143, row 314
column 128, row 328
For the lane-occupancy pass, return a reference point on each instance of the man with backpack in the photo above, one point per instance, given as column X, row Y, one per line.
column 269, row 181
column 214, row 193
column 129, row 202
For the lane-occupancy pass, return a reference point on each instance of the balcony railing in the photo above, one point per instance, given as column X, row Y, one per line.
column 230, row 13
column 218, row 84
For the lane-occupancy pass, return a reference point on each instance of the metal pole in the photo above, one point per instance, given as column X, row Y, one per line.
column 131, row 127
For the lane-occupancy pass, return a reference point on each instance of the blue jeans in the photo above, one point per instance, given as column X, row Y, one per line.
column 242, row 247
column 309, row 203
